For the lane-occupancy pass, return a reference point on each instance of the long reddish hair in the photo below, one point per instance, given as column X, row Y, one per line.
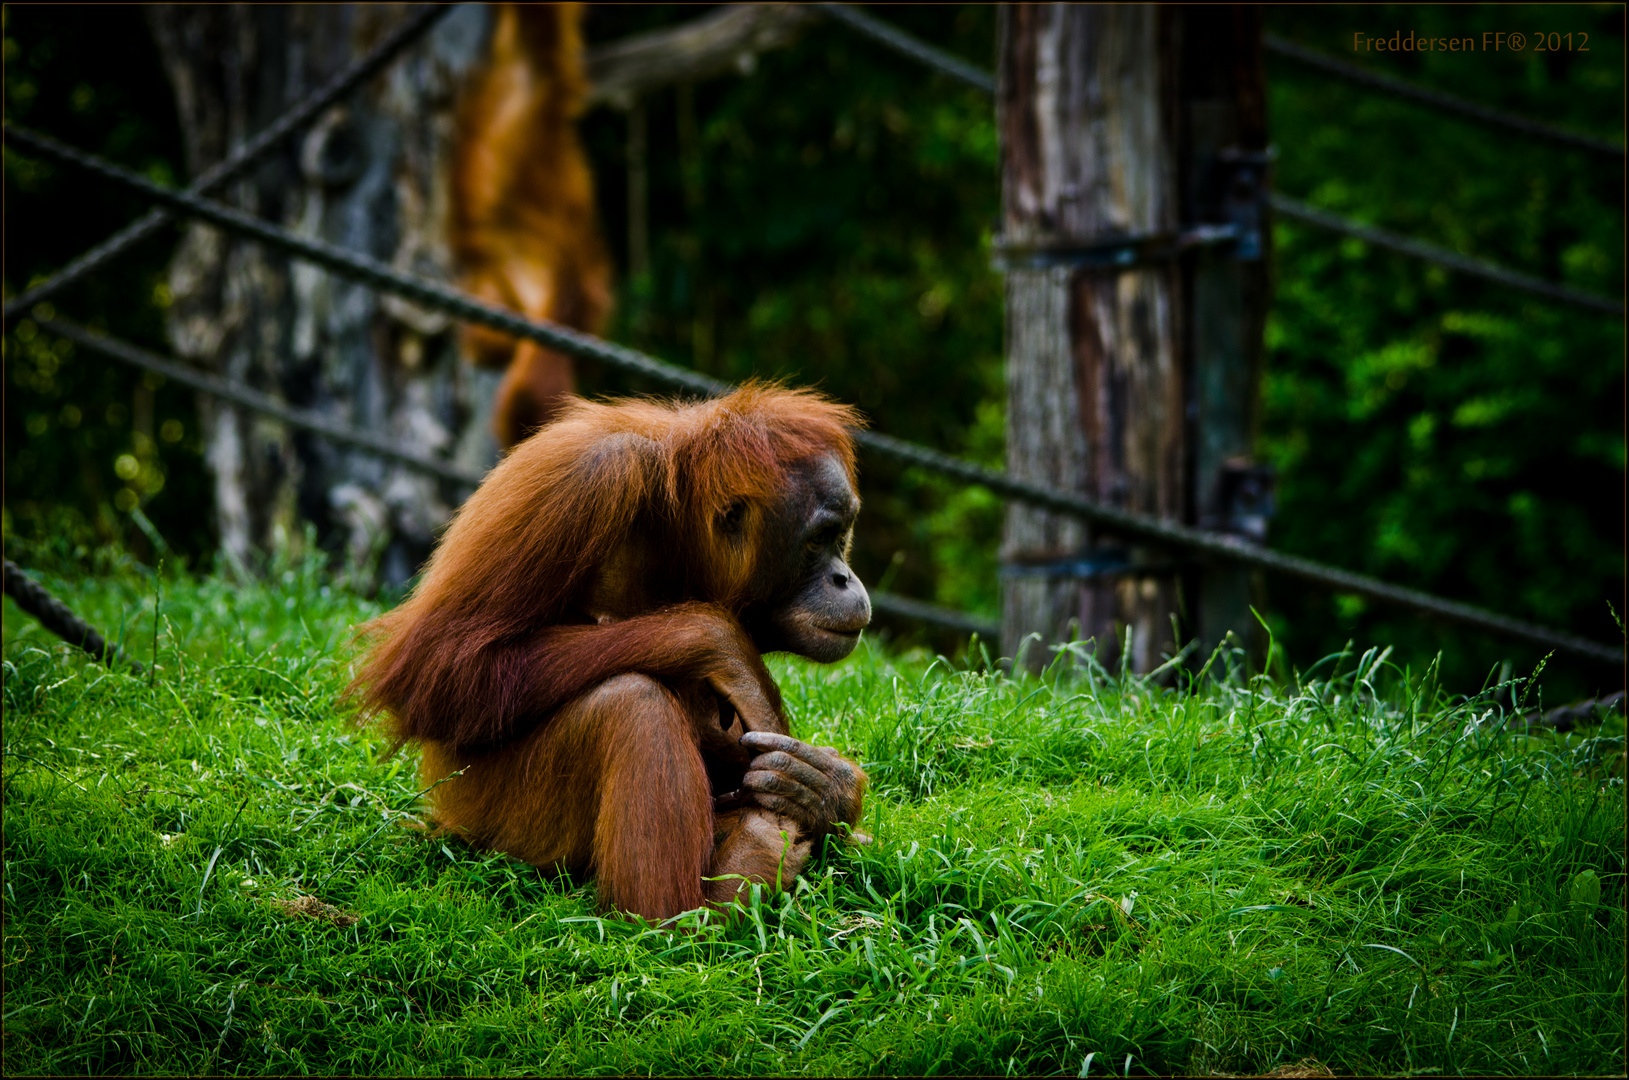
column 522, row 550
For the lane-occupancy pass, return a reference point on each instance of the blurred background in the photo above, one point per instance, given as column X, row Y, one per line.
column 827, row 218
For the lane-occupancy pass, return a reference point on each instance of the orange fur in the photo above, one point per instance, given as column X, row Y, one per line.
column 524, row 230
column 575, row 643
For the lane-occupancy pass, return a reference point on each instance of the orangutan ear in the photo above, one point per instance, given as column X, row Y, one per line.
column 732, row 520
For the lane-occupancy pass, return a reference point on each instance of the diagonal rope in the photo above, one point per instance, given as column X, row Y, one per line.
column 58, row 618
column 1436, row 99
column 251, row 152
column 238, row 394
column 904, row 607
column 440, row 297
column 1236, row 550
column 1296, row 210
column 372, row 272
column 908, row 45
column 887, row 603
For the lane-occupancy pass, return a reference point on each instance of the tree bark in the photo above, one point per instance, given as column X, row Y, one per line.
column 728, row 39
column 1134, row 386
column 1093, row 371
column 370, row 176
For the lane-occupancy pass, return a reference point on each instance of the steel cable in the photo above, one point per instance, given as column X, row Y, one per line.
column 920, row 51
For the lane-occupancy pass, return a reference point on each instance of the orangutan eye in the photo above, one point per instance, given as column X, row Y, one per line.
column 823, row 539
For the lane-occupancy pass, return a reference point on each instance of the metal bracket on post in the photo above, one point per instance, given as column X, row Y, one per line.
column 1125, row 251
column 1242, row 501
column 1242, row 178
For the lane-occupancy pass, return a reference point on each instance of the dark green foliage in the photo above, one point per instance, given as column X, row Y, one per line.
column 83, row 433
column 1431, row 429
column 213, row 873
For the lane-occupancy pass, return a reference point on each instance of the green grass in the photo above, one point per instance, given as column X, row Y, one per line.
column 1347, row 865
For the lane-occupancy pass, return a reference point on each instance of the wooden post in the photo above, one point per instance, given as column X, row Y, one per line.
column 1094, row 386
column 1223, row 134
column 1116, row 376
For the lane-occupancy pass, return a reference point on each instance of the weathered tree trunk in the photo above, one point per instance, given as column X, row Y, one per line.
column 1093, row 369
column 1133, row 385
column 370, row 176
